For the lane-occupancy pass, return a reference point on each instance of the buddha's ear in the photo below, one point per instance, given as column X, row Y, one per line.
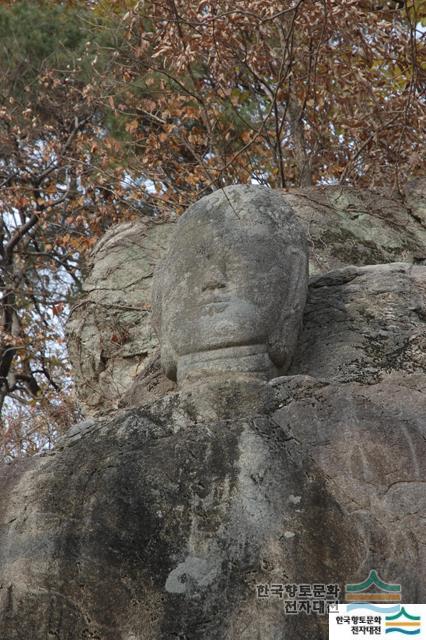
column 283, row 340
column 156, row 302
column 168, row 361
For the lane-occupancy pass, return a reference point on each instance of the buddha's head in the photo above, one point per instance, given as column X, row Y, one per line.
column 230, row 292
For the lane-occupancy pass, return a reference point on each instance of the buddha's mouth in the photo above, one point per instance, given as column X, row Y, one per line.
column 208, row 302
column 216, row 306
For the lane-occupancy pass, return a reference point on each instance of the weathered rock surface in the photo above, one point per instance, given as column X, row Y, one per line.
column 362, row 323
column 110, row 335
column 229, row 294
column 109, row 329
column 348, row 226
column 159, row 522
column 414, row 196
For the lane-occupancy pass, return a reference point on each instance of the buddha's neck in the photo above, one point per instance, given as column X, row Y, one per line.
column 250, row 360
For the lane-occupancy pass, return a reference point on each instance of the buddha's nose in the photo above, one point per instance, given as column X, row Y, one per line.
column 214, row 279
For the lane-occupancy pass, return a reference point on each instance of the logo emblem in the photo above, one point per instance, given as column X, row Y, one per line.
column 373, row 589
column 403, row 622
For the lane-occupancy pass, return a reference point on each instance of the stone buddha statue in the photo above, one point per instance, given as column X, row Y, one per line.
column 229, row 295
column 175, row 518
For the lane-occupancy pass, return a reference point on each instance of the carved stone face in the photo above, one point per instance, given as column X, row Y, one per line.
column 229, row 280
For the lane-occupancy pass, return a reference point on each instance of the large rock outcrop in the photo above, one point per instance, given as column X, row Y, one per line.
column 112, row 346
column 362, row 323
column 109, row 331
column 159, row 523
column 348, row 226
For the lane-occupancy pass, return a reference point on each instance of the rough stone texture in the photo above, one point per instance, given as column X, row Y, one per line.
column 362, row 323
column 109, row 329
column 229, row 294
column 159, row 522
column 348, row 226
column 415, row 199
column 345, row 226
column 150, row 384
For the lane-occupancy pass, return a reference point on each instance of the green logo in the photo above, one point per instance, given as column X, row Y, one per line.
column 408, row 625
column 373, row 589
